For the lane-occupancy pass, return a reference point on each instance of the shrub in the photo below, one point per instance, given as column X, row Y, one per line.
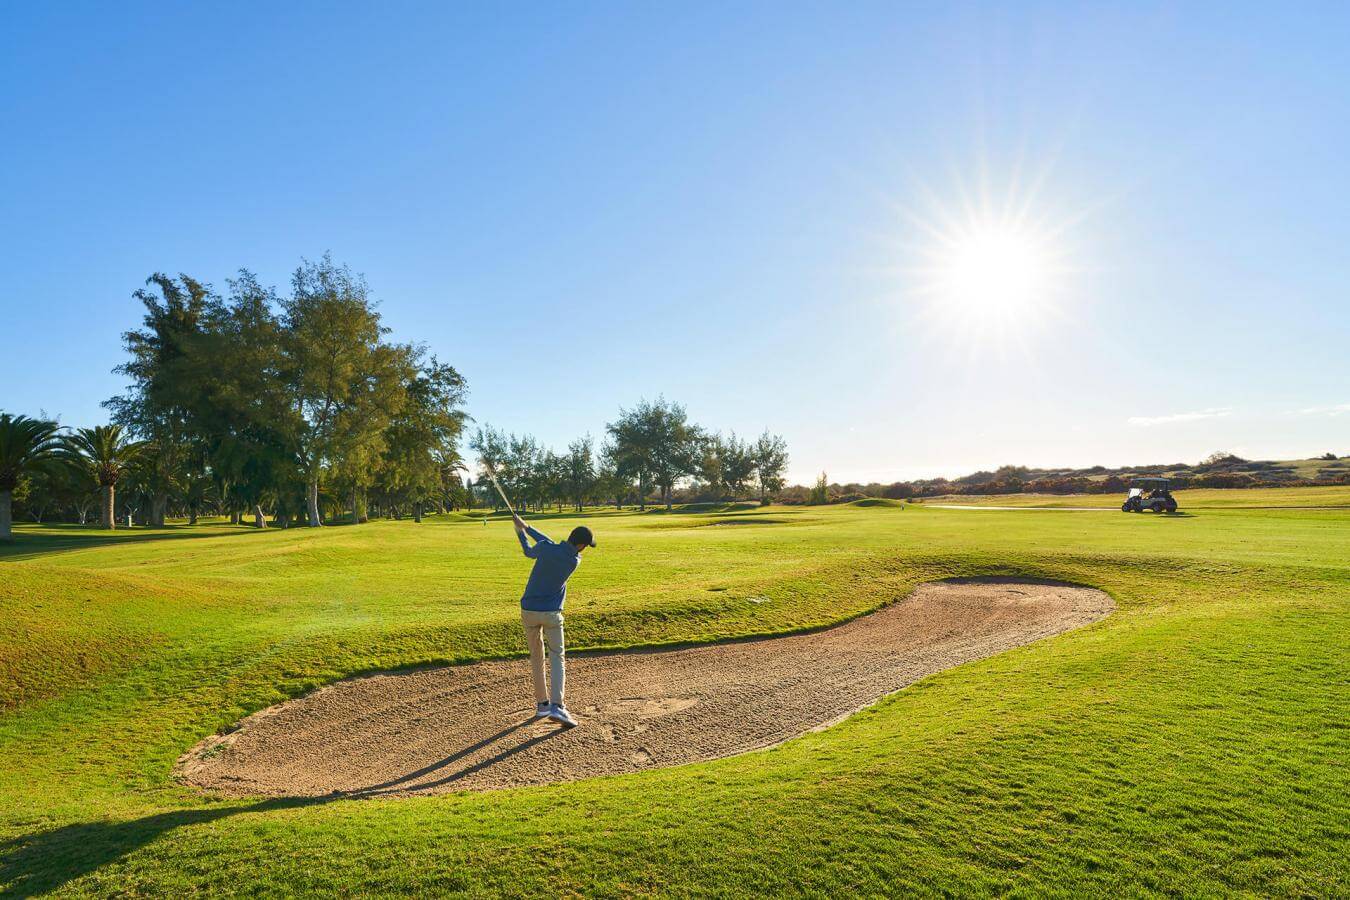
column 820, row 492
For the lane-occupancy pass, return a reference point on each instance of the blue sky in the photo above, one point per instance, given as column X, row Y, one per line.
column 734, row 205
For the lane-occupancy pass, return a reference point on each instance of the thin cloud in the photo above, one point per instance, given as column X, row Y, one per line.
column 1175, row 418
column 1338, row 409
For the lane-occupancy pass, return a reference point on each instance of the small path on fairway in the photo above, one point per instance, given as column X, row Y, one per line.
column 468, row 727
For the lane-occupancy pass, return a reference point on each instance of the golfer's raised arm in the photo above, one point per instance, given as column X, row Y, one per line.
column 540, row 538
column 529, row 551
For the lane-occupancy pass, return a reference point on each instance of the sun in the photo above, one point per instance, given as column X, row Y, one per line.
column 988, row 279
column 993, row 271
column 983, row 268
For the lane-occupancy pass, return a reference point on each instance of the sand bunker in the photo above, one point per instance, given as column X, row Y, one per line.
column 467, row 727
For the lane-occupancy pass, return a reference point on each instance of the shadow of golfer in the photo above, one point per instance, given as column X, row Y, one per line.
column 388, row 786
column 404, row 784
column 44, row 861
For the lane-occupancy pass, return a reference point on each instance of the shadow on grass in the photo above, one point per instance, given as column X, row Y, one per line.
column 653, row 509
column 28, row 544
column 37, row 863
column 529, row 515
column 704, row 508
column 45, row 861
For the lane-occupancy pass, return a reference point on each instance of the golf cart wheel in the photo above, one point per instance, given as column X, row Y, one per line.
column 1171, row 506
column 1125, row 507
column 1158, row 506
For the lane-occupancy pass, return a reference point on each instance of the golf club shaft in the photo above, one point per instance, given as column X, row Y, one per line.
column 501, row 493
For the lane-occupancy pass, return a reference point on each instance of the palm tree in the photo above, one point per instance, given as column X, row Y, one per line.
column 25, row 444
column 107, row 452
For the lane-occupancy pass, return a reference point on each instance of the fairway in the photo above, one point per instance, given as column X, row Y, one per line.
column 1331, row 497
column 1192, row 741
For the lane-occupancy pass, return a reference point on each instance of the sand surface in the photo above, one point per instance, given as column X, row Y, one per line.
column 468, row 727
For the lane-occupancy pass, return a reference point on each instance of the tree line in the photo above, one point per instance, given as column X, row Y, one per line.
column 252, row 402
column 297, row 409
column 649, row 451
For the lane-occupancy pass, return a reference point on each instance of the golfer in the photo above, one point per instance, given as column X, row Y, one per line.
column 541, row 613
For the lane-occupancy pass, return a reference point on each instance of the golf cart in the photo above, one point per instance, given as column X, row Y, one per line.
column 1150, row 493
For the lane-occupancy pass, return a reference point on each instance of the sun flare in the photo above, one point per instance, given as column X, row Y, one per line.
column 985, row 266
column 988, row 279
column 993, row 271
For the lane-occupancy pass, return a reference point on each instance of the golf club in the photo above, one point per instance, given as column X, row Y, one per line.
column 501, row 493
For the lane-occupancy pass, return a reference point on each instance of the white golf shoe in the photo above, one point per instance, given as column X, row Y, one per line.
column 559, row 713
column 543, row 710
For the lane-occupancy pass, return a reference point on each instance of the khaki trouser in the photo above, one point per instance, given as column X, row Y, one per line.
column 546, row 628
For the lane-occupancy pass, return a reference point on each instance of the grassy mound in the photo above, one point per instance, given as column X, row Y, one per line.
column 867, row 502
column 1204, row 717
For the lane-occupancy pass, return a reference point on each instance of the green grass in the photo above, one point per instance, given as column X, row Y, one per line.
column 1192, row 743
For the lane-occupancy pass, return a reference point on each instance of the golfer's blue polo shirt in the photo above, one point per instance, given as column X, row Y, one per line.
column 553, row 565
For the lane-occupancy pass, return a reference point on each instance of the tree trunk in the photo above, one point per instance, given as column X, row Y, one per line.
column 157, row 505
column 417, row 511
column 108, row 518
column 6, row 515
column 259, row 520
column 192, row 514
column 312, row 501
column 234, row 517
column 356, row 515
